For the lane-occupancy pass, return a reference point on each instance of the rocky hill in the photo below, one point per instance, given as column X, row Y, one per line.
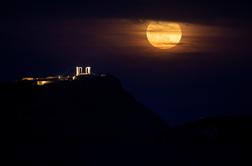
column 94, row 120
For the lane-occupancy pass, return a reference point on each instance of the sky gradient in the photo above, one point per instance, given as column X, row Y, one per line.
column 207, row 74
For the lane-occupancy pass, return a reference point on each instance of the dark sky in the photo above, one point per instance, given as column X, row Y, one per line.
column 209, row 75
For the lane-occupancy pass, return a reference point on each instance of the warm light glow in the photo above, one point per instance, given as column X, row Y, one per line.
column 28, row 79
column 164, row 35
column 40, row 83
column 79, row 71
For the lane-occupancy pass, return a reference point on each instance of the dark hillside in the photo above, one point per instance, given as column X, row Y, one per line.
column 93, row 119
column 90, row 109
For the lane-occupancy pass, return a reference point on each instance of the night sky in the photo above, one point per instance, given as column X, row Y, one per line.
column 207, row 74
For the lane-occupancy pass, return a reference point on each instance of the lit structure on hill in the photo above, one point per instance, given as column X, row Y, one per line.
column 40, row 83
column 51, row 79
column 79, row 71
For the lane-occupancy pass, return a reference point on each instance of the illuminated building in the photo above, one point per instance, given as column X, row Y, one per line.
column 79, row 71
column 51, row 79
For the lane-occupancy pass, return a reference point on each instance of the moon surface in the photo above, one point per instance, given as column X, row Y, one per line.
column 164, row 35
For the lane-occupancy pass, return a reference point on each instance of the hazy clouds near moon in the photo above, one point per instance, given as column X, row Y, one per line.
column 119, row 36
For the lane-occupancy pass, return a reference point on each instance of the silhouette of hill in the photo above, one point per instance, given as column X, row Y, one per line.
column 93, row 121
column 90, row 109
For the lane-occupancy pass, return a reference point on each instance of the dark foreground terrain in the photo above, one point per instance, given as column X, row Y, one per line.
column 94, row 121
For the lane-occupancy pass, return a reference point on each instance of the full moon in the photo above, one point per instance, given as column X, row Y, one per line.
column 164, row 35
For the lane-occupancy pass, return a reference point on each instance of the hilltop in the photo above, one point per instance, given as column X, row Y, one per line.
column 94, row 117
column 90, row 109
